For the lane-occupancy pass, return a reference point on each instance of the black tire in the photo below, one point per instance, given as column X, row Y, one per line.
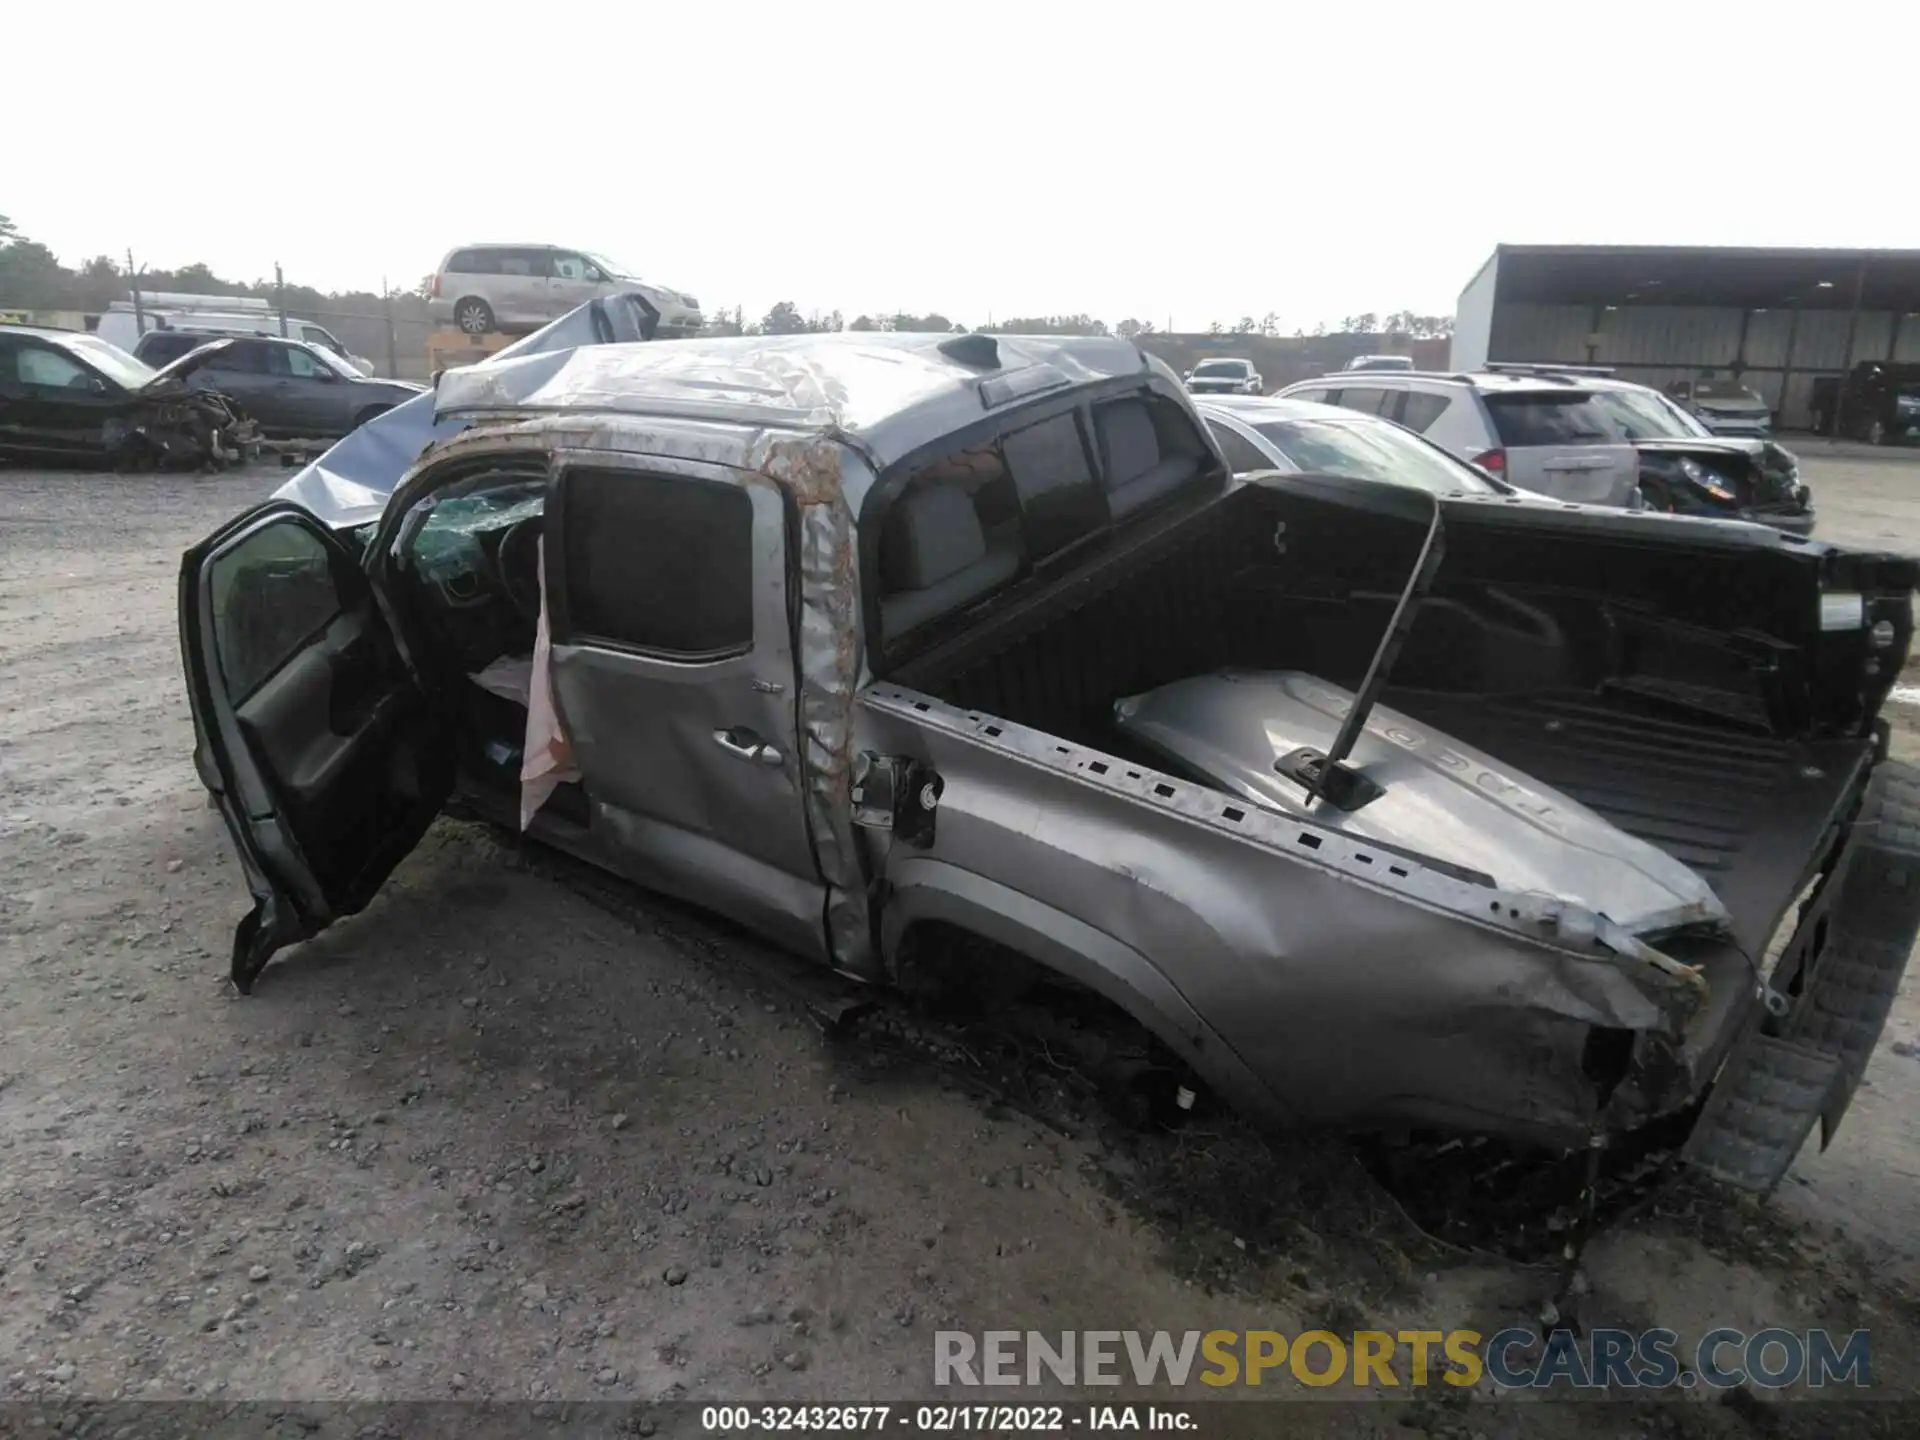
column 473, row 315
column 368, row 414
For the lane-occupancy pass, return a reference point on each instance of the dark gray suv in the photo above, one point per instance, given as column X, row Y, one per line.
column 286, row 387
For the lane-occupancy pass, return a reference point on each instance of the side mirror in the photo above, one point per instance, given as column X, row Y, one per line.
column 96, row 386
column 325, row 374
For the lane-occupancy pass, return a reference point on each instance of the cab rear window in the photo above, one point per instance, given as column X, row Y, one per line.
column 1548, row 420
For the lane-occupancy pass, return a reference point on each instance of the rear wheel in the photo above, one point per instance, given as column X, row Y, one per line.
column 473, row 315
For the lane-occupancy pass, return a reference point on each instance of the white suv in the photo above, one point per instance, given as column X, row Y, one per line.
column 1542, row 434
column 1224, row 377
column 521, row 287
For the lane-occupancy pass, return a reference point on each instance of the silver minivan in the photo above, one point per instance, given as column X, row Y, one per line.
column 1541, row 434
column 481, row 288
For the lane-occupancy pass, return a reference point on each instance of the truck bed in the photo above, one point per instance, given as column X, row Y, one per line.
column 1562, row 658
column 1749, row 814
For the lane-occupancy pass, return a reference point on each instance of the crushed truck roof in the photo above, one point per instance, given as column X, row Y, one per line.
column 888, row 393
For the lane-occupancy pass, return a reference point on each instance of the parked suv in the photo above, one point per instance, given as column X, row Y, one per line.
column 285, row 387
column 1541, row 434
column 521, row 287
column 1726, row 407
column 1224, row 377
column 1878, row 402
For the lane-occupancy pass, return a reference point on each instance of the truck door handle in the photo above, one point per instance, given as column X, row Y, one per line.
column 745, row 745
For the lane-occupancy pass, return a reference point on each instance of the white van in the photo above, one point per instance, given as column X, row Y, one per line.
column 482, row 288
column 121, row 325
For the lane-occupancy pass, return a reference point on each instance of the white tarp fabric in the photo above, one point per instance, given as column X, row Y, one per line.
column 510, row 677
column 547, row 762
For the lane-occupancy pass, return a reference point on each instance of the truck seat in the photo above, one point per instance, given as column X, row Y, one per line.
column 935, row 558
column 1136, row 473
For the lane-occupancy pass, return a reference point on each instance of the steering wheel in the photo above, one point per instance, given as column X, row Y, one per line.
column 518, row 562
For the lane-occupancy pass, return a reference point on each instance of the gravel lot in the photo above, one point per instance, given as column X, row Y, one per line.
column 504, row 1136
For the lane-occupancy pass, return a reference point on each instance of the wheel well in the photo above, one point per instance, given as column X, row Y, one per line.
column 1028, row 1012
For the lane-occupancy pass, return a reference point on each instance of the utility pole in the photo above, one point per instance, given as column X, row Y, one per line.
column 280, row 297
column 133, row 284
column 393, row 355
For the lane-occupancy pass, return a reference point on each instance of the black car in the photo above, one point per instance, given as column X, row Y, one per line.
column 1686, row 470
column 286, row 386
column 1878, row 402
column 69, row 395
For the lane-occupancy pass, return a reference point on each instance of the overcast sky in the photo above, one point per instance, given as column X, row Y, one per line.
column 1183, row 162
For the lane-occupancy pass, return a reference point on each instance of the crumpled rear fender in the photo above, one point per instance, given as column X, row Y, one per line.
column 923, row 889
column 1352, row 986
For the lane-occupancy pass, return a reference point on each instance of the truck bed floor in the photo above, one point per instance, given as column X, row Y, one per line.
column 1746, row 812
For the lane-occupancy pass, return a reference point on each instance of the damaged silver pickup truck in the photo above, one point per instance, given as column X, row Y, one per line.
column 1382, row 810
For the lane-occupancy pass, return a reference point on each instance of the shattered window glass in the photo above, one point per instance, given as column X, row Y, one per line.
column 447, row 546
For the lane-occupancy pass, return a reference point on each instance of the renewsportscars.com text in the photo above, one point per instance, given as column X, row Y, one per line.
column 1516, row 1359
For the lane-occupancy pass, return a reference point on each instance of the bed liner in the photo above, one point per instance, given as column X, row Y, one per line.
column 1749, row 813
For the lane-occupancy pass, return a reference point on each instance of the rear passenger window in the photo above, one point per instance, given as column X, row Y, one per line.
column 1240, row 452
column 524, row 262
column 1368, row 401
column 1421, row 410
column 271, row 594
column 1547, row 420
column 474, row 262
column 658, row 562
column 245, row 357
column 1058, row 497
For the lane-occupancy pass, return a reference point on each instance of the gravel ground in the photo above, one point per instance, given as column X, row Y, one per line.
column 498, row 1137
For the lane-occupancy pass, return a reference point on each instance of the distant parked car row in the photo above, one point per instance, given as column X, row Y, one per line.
column 201, row 317
column 1232, row 375
column 1584, row 437
column 68, row 394
column 1552, row 432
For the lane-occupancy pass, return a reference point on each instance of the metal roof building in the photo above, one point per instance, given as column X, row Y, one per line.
column 1777, row 319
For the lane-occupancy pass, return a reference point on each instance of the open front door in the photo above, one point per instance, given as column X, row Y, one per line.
column 320, row 751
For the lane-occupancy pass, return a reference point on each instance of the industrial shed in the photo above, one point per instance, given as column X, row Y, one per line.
column 1777, row 319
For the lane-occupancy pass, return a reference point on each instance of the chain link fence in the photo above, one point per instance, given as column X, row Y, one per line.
column 393, row 334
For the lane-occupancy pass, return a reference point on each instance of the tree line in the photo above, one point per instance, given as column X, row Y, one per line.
column 785, row 319
column 32, row 278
